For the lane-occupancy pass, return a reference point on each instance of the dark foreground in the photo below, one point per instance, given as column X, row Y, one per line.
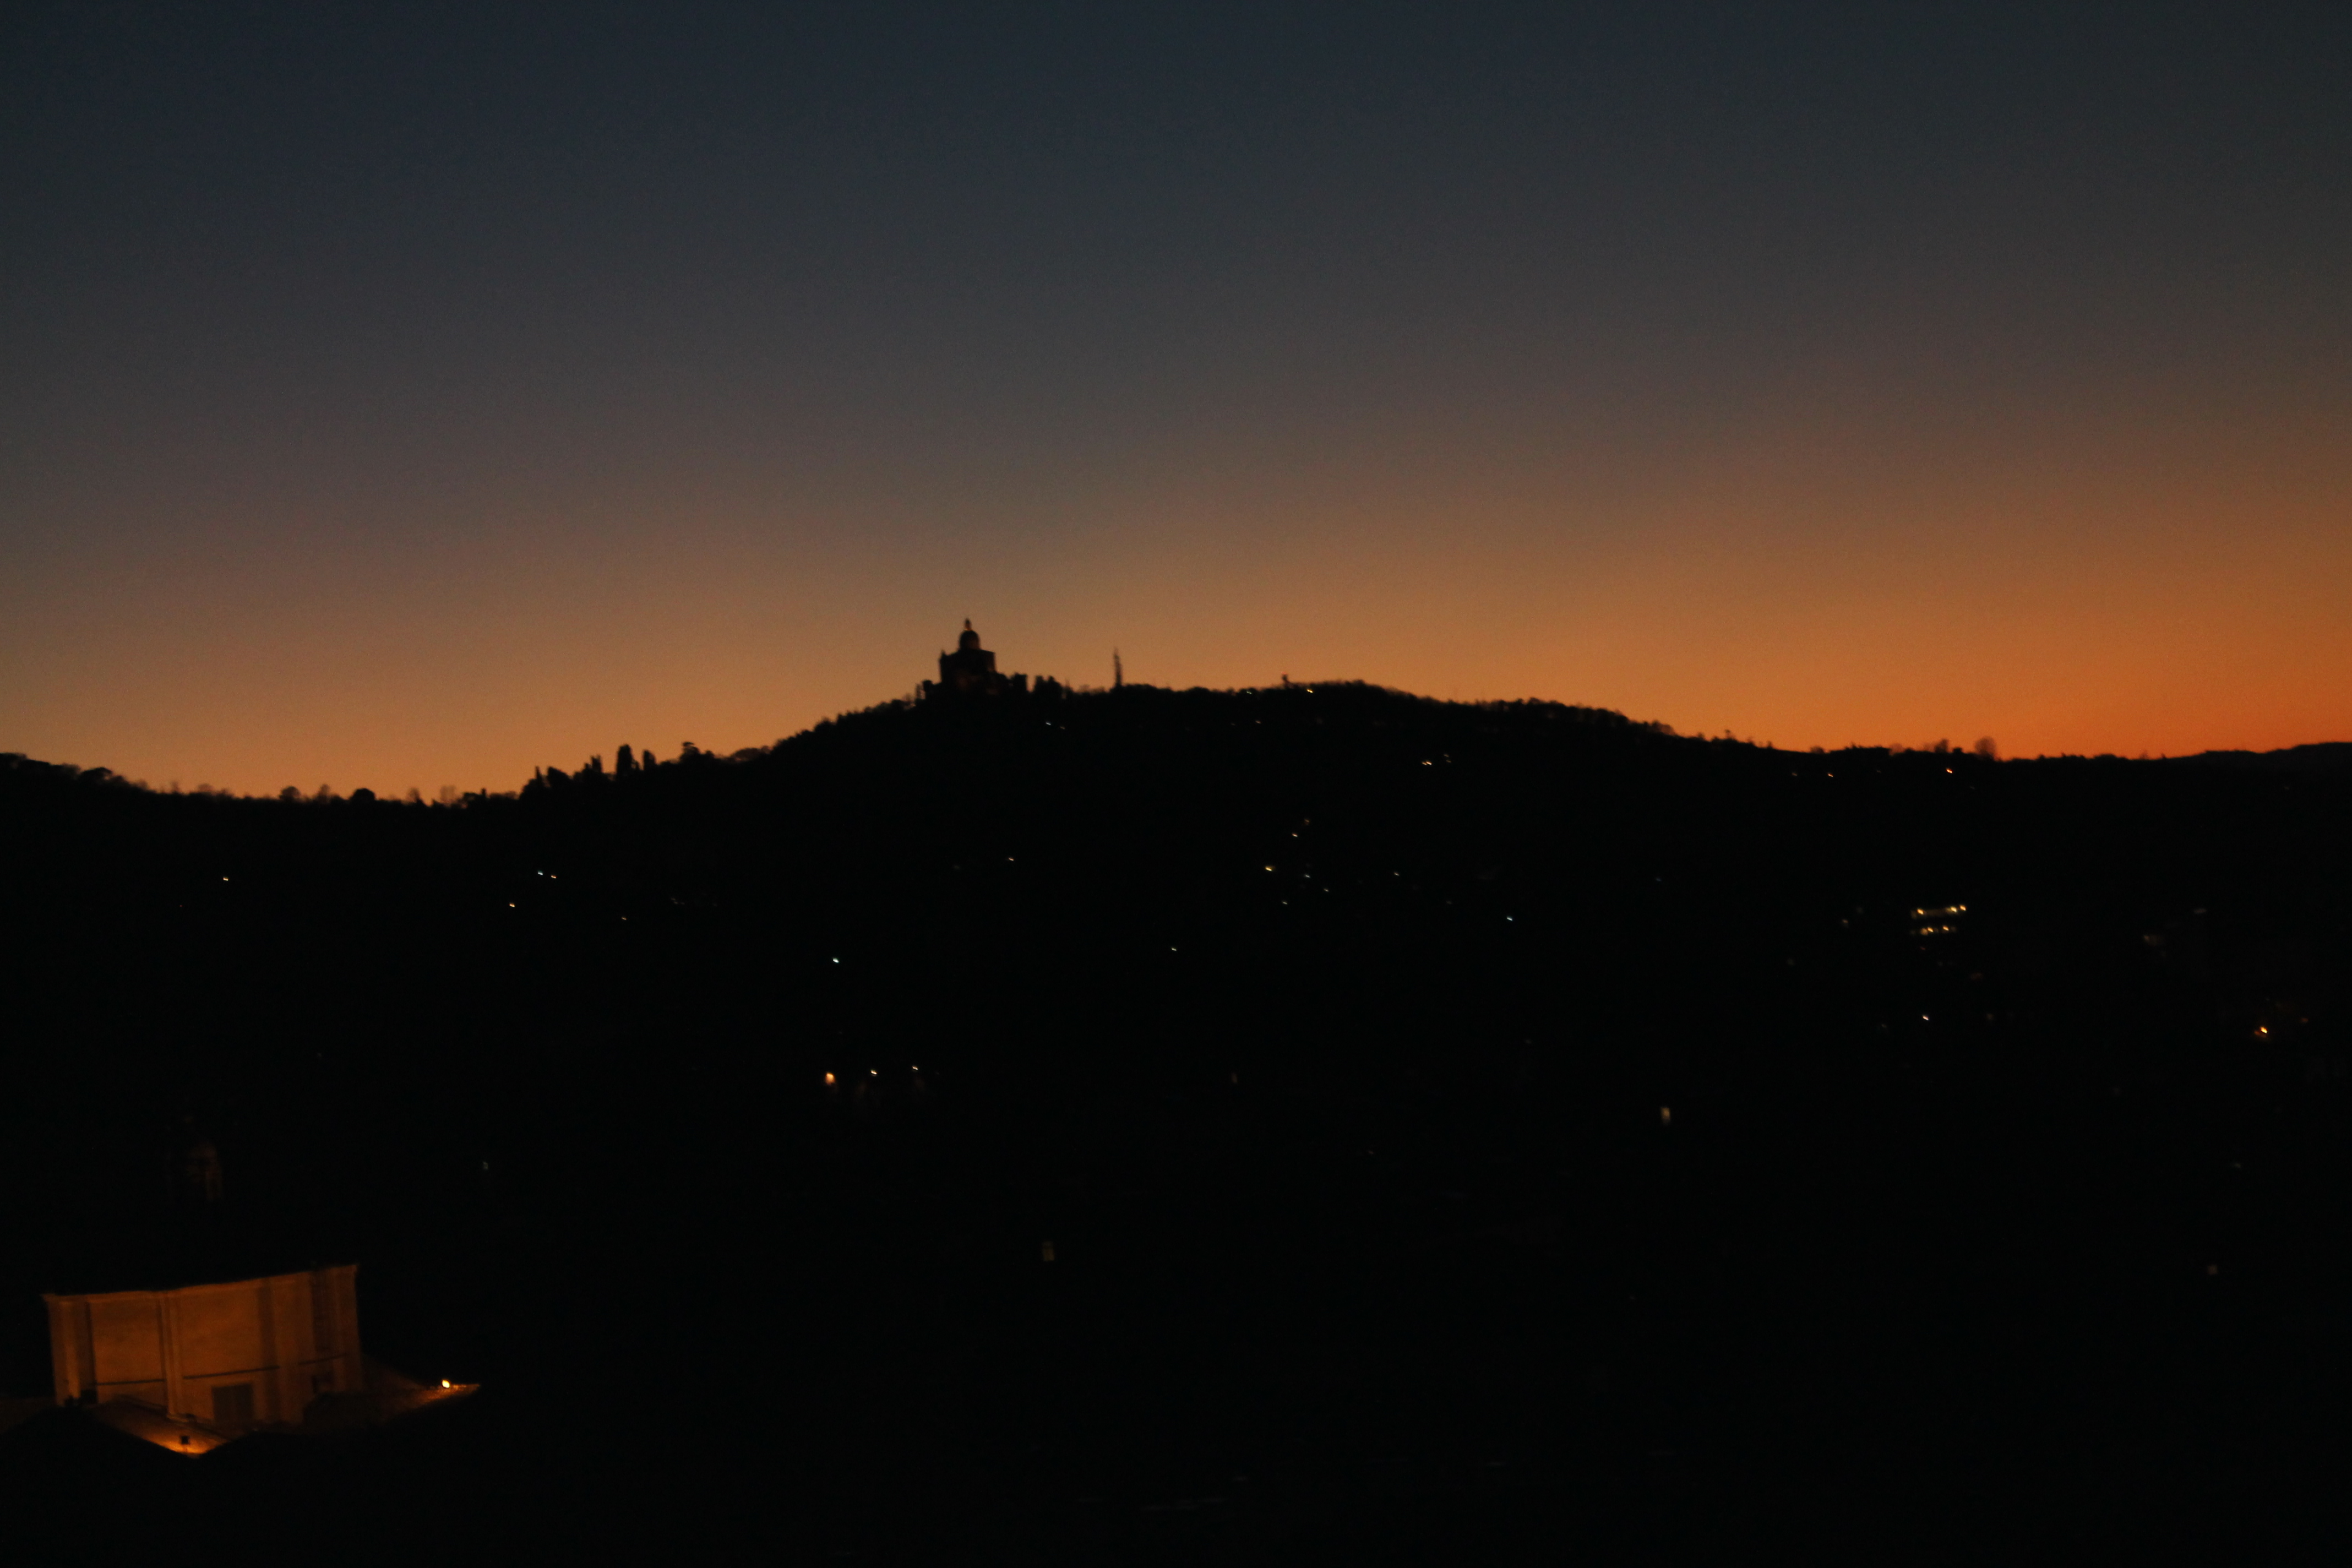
column 1570, row 1141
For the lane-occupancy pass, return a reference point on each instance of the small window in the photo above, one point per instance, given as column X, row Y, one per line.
column 233, row 1404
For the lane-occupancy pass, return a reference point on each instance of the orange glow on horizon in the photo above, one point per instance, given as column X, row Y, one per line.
column 2164, row 591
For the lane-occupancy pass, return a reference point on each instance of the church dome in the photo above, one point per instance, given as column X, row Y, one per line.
column 969, row 641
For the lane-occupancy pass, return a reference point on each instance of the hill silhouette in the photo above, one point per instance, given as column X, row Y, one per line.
column 1454, row 1125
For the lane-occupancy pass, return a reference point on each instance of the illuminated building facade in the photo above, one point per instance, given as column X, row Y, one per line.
column 231, row 1356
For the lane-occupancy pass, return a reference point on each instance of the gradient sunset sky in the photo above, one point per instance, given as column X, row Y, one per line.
column 400, row 396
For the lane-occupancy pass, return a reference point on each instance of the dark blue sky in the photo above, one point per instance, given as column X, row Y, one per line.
column 361, row 367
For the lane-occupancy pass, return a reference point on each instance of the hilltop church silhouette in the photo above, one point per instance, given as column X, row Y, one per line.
column 970, row 674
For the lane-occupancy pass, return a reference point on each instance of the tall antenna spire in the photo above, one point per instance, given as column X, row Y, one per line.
column 1117, row 673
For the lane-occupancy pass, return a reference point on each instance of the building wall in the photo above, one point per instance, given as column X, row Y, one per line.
column 283, row 1339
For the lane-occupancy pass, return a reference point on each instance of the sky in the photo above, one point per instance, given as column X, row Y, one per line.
column 412, row 394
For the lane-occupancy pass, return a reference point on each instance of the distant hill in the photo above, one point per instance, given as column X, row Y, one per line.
column 2332, row 757
column 1423, row 1101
